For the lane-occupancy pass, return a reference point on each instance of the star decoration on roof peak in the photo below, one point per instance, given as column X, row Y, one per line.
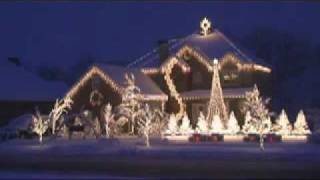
column 205, row 26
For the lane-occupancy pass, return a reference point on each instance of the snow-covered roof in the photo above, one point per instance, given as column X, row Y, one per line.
column 147, row 86
column 214, row 45
column 205, row 94
column 19, row 123
column 17, row 84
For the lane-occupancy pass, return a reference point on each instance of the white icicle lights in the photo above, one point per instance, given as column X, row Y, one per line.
column 300, row 126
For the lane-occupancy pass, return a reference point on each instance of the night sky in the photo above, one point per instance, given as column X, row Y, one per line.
column 62, row 33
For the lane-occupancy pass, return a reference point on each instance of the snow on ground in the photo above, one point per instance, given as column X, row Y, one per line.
column 128, row 157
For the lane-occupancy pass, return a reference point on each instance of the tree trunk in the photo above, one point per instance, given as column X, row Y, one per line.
column 147, row 141
column 40, row 138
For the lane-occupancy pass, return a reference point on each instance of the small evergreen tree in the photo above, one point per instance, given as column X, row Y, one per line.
column 172, row 125
column 185, row 127
column 202, row 124
column 300, row 126
column 283, row 126
column 232, row 125
column 216, row 125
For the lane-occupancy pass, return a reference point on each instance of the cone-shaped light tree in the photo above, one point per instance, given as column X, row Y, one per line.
column 202, row 124
column 232, row 125
column 216, row 125
column 185, row 127
column 216, row 103
column 172, row 125
column 300, row 126
column 283, row 126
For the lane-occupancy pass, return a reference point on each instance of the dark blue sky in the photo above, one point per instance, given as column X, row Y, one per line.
column 62, row 33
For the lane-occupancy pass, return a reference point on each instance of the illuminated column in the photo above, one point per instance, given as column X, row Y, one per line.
column 216, row 103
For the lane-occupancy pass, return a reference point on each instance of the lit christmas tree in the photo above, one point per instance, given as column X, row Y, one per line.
column 232, row 125
column 268, row 126
column 301, row 126
column 216, row 103
column 172, row 125
column 258, row 111
column 131, row 106
column 283, row 126
column 185, row 127
column 216, row 125
column 248, row 127
column 202, row 124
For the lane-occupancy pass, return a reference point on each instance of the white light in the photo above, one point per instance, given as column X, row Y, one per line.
column 215, row 61
column 205, row 26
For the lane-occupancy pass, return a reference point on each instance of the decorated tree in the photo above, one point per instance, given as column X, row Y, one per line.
column 248, row 127
column 185, row 127
column 202, row 124
column 258, row 111
column 108, row 118
column 232, row 125
column 145, row 123
column 283, row 126
column 268, row 126
column 160, row 122
column 172, row 125
column 131, row 106
column 60, row 107
column 39, row 125
column 216, row 103
column 216, row 125
column 301, row 126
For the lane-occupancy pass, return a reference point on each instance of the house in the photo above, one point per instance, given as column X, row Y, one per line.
column 22, row 90
column 177, row 75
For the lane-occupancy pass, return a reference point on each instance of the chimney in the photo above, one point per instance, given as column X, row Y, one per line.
column 14, row 60
column 163, row 50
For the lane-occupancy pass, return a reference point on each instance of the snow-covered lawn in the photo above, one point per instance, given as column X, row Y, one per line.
column 128, row 157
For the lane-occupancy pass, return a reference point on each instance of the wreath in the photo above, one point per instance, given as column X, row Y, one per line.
column 96, row 98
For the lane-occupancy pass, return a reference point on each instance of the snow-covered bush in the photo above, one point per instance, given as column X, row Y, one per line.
column 202, row 124
column 185, row 128
column 232, row 124
column 39, row 125
column 300, row 126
